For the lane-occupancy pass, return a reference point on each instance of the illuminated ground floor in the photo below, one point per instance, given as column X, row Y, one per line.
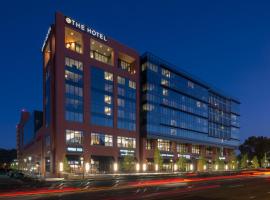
column 172, row 156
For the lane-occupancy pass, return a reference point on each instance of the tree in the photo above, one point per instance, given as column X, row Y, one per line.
column 66, row 166
column 255, row 163
column 157, row 158
column 128, row 162
column 181, row 163
column 233, row 165
column 218, row 164
column 255, row 146
column 264, row 161
column 244, row 161
column 201, row 163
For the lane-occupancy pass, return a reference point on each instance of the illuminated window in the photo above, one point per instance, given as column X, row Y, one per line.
column 101, row 52
column 107, row 111
column 148, row 107
column 101, row 139
column 181, row 148
column 107, row 99
column 165, row 92
column 164, row 82
column 126, row 142
column 164, row 145
column 132, row 84
column 149, row 144
column 108, row 76
column 73, row 137
column 127, row 63
column 74, row 64
column 121, row 80
column 73, row 40
column 166, row 73
column 195, row 149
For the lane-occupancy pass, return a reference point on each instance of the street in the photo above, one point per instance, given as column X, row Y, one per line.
column 240, row 187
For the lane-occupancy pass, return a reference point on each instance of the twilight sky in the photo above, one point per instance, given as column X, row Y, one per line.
column 224, row 43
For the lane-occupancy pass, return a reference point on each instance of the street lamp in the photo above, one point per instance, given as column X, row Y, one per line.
column 115, row 167
column 87, row 167
column 191, row 167
column 61, row 167
column 137, row 167
column 144, row 167
column 204, row 167
column 175, row 167
column 82, row 165
column 156, row 167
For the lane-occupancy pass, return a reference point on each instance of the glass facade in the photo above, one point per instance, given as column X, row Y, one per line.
column 176, row 106
column 126, row 104
column 73, row 90
column 101, row 97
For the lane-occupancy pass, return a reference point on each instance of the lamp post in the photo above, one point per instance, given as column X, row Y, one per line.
column 82, row 165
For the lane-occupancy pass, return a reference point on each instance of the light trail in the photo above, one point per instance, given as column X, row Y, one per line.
column 37, row 192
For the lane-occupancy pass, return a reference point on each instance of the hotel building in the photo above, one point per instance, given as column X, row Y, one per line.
column 103, row 101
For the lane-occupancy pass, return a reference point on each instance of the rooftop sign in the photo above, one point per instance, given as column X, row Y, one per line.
column 86, row 29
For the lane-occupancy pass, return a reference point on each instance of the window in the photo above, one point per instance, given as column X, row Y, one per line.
column 165, row 92
column 195, row 149
column 126, row 62
column 102, row 99
column 121, row 91
column 101, row 52
column 149, row 144
column 73, row 90
column 164, row 82
column 148, row 107
column 181, row 148
column 164, row 145
column 166, row 73
column 190, row 84
column 150, row 66
column 121, row 102
column 108, row 88
column 73, row 40
column 107, row 99
column 73, row 137
column 132, row 84
column 108, row 76
column 121, row 80
column 107, row 111
column 74, row 64
column 101, row 139
column 126, row 142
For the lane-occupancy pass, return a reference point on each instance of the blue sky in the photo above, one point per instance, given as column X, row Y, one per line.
column 225, row 43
